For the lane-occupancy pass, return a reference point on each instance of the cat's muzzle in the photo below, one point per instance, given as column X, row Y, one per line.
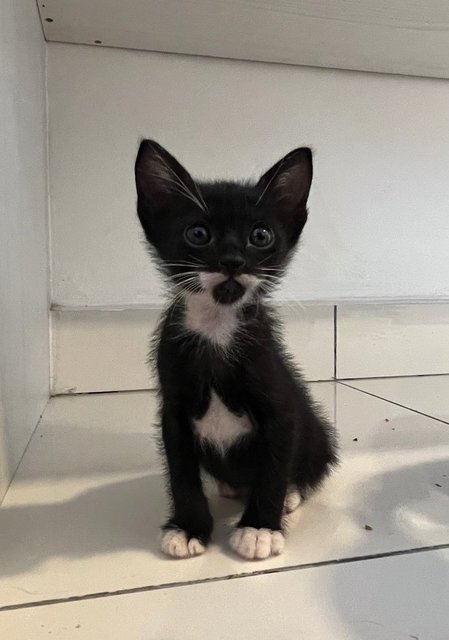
column 228, row 292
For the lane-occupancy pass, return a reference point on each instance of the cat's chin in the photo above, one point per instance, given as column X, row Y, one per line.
column 228, row 292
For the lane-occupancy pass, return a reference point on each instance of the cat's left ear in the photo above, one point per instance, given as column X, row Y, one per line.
column 286, row 188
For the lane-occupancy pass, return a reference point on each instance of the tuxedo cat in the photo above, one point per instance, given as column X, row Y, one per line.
column 232, row 403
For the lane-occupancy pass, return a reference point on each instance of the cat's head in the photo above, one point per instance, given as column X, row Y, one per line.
column 230, row 239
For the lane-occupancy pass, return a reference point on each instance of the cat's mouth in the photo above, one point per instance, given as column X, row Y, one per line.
column 228, row 292
column 226, row 289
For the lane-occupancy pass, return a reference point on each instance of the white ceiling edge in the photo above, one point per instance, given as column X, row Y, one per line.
column 407, row 37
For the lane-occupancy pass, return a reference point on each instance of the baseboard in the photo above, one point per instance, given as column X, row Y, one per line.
column 98, row 350
column 386, row 340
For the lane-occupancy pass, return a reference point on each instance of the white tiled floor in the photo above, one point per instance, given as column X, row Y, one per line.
column 81, row 520
column 428, row 394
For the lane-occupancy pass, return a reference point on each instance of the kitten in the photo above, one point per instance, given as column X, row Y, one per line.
column 232, row 403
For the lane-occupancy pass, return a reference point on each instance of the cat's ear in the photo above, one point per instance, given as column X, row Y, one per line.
column 286, row 188
column 161, row 180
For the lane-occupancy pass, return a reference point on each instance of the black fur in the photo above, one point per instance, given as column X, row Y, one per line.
column 290, row 442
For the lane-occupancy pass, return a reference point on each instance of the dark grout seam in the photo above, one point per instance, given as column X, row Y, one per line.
column 335, row 342
column 332, row 379
column 79, row 394
column 235, row 576
column 398, row 377
column 32, row 434
column 397, row 404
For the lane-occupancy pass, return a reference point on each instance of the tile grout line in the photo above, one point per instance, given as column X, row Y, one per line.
column 343, row 380
column 236, row 576
column 335, row 341
column 405, row 376
column 33, row 433
column 397, row 404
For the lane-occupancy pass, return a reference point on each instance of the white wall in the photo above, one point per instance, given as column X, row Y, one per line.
column 24, row 341
column 379, row 225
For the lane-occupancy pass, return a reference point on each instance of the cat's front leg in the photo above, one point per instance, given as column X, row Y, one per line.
column 188, row 530
column 259, row 533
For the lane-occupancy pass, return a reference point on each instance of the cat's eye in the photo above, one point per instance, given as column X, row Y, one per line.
column 261, row 237
column 197, row 235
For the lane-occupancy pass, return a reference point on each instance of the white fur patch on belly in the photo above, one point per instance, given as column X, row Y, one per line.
column 220, row 427
column 213, row 321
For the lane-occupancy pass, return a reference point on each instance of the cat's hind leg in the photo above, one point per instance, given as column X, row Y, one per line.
column 292, row 500
column 226, row 491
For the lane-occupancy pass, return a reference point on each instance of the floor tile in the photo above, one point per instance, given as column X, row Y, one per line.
column 427, row 394
column 395, row 598
column 83, row 513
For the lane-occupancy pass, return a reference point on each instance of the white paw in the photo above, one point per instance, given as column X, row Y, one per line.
column 174, row 543
column 226, row 491
column 257, row 544
column 292, row 500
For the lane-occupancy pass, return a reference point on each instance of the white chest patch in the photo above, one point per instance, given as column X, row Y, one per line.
column 213, row 321
column 220, row 427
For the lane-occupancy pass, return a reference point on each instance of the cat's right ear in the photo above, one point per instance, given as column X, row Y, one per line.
column 161, row 181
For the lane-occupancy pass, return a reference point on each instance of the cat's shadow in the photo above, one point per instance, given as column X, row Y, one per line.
column 388, row 598
column 399, row 597
column 127, row 514
column 119, row 516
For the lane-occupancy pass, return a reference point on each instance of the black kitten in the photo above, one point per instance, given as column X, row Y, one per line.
column 232, row 402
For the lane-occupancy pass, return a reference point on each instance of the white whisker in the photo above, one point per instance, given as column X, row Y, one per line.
column 197, row 260
column 275, row 174
column 198, row 199
column 264, row 260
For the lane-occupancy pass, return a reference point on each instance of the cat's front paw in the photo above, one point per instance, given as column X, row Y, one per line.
column 257, row 544
column 177, row 544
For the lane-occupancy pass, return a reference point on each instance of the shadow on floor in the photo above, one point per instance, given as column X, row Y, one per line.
column 416, row 501
column 119, row 516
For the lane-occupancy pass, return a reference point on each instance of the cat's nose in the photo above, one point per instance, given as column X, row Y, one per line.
column 232, row 263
